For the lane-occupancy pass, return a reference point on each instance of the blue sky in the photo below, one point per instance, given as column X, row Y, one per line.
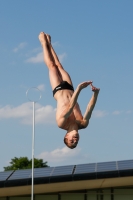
column 94, row 41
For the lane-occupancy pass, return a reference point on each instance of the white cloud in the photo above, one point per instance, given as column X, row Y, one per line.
column 41, row 87
column 36, row 59
column 117, row 112
column 62, row 57
column 59, row 155
column 39, row 58
column 35, row 50
column 128, row 112
column 99, row 113
column 43, row 114
column 56, row 44
column 20, row 46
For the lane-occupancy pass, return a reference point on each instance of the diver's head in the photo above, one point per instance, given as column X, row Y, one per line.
column 71, row 139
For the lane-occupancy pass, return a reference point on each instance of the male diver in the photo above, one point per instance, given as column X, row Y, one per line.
column 68, row 115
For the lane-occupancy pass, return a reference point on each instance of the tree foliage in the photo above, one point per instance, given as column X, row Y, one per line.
column 25, row 163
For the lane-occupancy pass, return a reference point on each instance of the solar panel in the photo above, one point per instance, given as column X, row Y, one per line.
column 43, row 172
column 106, row 166
column 85, row 168
column 4, row 175
column 126, row 164
column 63, row 170
column 21, row 174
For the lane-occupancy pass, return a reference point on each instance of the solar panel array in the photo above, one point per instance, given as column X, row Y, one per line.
column 103, row 167
column 67, row 170
column 4, row 175
column 95, row 167
column 42, row 172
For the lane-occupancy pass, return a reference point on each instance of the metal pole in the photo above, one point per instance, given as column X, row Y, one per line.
column 33, row 143
column 33, row 135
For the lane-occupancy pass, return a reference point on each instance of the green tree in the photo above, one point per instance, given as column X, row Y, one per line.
column 25, row 163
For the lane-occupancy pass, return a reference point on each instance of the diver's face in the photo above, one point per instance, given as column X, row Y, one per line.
column 73, row 138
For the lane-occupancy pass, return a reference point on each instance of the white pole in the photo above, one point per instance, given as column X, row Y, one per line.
column 33, row 135
column 33, row 143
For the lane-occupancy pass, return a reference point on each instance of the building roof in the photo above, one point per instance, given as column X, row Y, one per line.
column 71, row 174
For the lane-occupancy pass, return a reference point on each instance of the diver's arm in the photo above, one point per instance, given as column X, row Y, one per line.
column 90, row 107
column 66, row 113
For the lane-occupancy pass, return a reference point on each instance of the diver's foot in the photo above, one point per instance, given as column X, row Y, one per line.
column 48, row 38
column 43, row 38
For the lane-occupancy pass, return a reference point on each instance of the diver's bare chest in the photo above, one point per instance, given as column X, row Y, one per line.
column 68, row 122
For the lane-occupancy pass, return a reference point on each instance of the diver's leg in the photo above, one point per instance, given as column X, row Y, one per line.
column 55, row 57
column 48, row 58
column 54, row 73
column 64, row 74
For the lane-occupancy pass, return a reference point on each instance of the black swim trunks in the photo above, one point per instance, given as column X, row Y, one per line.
column 63, row 86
